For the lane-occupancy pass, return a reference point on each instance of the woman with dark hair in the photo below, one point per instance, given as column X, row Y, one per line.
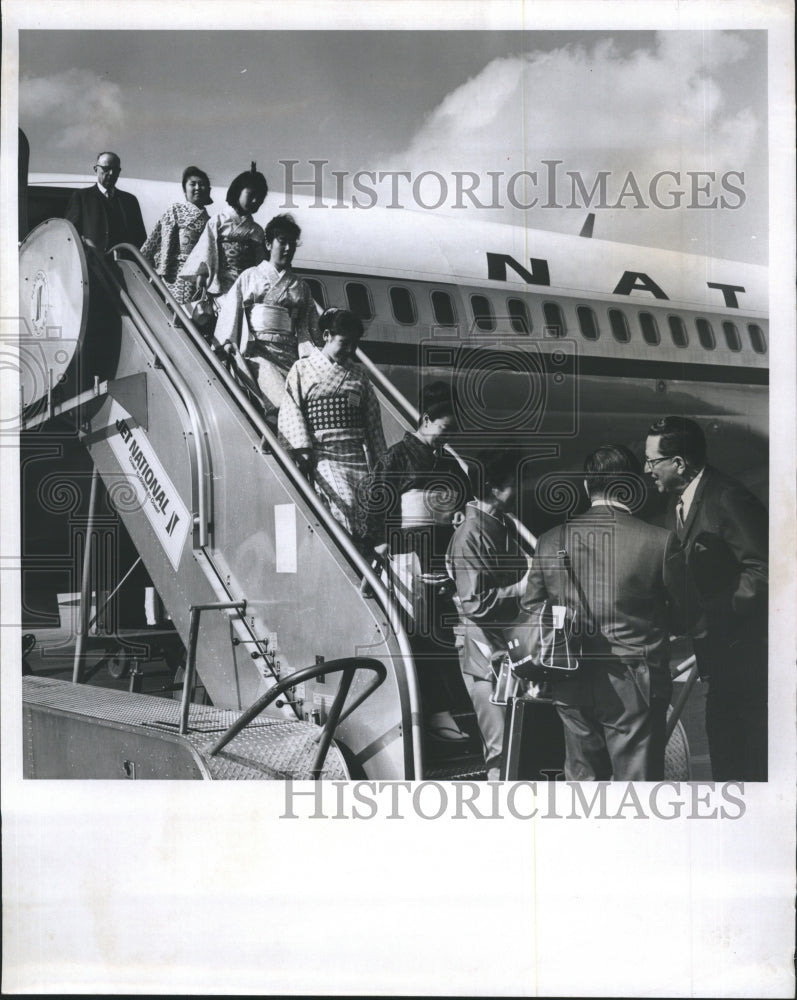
column 269, row 316
column 408, row 505
column 231, row 241
column 487, row 564
column 177, row 231
column 330, row 416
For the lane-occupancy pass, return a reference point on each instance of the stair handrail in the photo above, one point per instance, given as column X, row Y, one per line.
column 348, row 666
column 201, row 460
column 274, row 446
column 288, row 466
column 411, row 414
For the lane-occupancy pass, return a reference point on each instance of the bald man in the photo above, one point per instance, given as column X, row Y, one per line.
column 103, row 215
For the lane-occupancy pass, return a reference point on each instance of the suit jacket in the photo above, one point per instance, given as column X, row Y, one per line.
column 726, row 536
column 87, row 210
column 635, row 579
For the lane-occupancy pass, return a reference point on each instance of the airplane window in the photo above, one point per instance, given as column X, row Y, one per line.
column 732, row 338
column 403, row 305
column 757, row 339
column 588, row 322
column 705, row 334
column 443, row 309
column 650, row 329
column 359, row 300
column 554, row 320
column 318, row 292
column 678, row 331
column 519, row 315
column 483, row 312
column 620, row 330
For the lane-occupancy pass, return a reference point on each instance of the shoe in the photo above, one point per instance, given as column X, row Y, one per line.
column 442, row 726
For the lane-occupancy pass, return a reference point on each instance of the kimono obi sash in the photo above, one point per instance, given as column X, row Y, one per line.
column 425, row 507
column 270, row 323
column 236, row 254
column 328, row 413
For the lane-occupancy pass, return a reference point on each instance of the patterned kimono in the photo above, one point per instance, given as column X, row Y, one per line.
column 331, row 410
column 229, row 244
column 171, row 241
column 272, row 317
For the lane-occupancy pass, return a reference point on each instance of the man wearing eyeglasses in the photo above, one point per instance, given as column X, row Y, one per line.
column 103, row 215
column 724, row 530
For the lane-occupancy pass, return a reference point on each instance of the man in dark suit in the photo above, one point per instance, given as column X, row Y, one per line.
column 635, row 589
column 724, row 529
column 103, row 215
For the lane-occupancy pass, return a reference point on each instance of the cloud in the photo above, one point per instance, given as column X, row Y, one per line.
column 665, row 106
column 585, row 100
column 78, row 109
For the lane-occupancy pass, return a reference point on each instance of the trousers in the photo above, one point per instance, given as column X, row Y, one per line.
column 614, row 716
column 490, row 718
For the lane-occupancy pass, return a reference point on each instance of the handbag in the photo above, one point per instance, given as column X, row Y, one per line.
column 201, row 311
column 549, row 645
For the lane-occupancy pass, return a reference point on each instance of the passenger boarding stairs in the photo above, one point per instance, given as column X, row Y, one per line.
column 258, row 578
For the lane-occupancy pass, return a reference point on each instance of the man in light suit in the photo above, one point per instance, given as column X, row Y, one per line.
column 724, row 529
column 636, row 589
column 487, row 564
column 103, row 215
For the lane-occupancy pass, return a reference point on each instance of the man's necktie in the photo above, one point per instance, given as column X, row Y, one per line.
column 679, row 517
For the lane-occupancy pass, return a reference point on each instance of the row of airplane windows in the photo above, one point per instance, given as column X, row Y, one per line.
column 402, row 304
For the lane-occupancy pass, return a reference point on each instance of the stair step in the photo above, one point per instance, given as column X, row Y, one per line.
column 465, row 768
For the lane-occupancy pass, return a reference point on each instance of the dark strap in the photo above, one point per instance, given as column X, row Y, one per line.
column 565, row 558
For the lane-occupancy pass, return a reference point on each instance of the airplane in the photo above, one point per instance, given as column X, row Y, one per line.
column 554, row 343
column 678, row 332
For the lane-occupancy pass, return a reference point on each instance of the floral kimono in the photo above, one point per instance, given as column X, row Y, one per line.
column 271, row 316
column 229, row 244
column 171, row 241
column 331, row 410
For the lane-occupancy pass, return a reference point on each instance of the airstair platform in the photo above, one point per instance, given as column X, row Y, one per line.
column 80, row 731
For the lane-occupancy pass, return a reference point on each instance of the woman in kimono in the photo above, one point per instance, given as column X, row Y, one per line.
column 177, row 231
column 231, row 241
column 408, row 505
column 330, row 417
column 269, row 317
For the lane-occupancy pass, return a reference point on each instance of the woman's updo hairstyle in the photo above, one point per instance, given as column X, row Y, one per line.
column 341, row 321
column 190, row 172
column 252, row 179
column 437, row 400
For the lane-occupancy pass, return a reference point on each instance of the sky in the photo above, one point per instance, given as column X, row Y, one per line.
column 485, row 103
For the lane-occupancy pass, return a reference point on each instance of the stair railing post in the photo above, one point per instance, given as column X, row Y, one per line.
column 190, row 668
column 84, row 611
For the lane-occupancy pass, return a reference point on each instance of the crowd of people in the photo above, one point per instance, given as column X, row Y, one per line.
column 442, row 522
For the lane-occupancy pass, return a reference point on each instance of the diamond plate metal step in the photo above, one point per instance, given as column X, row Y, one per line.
column 81, row 719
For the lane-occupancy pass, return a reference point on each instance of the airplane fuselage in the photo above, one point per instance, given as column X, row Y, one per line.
column 555, row 343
